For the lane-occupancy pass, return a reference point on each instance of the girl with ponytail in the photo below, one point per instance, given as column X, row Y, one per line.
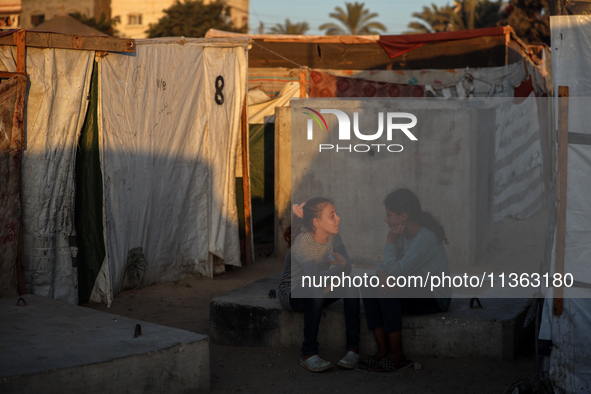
column 414, row 246
column 318, row 251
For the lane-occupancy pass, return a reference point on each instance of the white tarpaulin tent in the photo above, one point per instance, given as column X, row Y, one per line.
column 55, row 109
column 168, row 154
column 169, row 134
column 570, row 358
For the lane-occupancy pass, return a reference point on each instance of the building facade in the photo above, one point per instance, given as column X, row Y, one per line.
column 35, row 12
column 135, row 15
column 10, row 11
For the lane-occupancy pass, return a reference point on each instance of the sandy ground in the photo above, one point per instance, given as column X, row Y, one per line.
column 185, row 304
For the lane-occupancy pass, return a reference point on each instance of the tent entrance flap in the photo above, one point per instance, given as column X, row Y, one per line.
column 89, row 199
column 168, row 146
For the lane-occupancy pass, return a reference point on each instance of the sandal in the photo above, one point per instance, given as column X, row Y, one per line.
column 365, row 363
column 385, row 365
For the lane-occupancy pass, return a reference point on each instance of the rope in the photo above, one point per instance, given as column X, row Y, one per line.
column 277, row 54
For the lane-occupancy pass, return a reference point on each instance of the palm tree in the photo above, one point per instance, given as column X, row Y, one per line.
column 477, row 14
column 290, row 28
column 530, row 19
column 433, row 19
column 465, row 14
column 356, row 20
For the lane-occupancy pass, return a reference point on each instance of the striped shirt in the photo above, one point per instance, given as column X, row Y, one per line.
column 306, row 252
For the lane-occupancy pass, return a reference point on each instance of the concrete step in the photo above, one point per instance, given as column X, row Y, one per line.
column 248, row 317
column 52, row 347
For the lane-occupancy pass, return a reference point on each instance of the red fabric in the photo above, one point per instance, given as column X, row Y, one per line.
column 523, row 90
column 397, row 45
column 326, row 85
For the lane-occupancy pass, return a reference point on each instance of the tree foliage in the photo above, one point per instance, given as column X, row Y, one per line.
column 290, row 28
column 432, row 19
column 355, row 20
column 102, row 24
column 192, row 18
column 463, row 15
column 530, row 19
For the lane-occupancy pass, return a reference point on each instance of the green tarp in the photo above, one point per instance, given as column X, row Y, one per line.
column 89, row 199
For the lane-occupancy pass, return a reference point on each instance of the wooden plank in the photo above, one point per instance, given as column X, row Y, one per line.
column 487, row 51
column 282, row 193
column 249, row 250
column 6, row 74
column 507, row 42
column 213, row 33
column 21, row 58
column 561, row 179
column 20, row 257
column 54, row 40
column 317, row 39
column 303, row 82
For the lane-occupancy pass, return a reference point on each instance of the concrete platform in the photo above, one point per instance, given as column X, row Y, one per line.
column 247, row 317
column 52, row 347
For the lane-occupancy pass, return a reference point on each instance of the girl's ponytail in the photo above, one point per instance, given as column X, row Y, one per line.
column 431, row 223
column 304, row 215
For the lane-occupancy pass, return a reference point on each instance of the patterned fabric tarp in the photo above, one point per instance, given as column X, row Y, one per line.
column 56, row 104
column 12, row 101
column 326, row 85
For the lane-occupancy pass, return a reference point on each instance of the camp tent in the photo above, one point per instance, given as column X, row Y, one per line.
column 166, row 131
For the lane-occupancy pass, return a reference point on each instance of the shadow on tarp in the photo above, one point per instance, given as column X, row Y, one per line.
column 89, row 211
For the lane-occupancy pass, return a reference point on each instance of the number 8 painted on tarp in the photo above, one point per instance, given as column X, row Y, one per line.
column 219, row 85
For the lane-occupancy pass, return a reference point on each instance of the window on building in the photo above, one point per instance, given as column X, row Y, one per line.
column 134, row 19
column 37, row 19
column 5, row 21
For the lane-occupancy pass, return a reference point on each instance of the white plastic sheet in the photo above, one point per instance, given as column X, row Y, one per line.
column 56, row 108
column 168, row 156
column 259, row 111
column 519, row 170
column 571, row 354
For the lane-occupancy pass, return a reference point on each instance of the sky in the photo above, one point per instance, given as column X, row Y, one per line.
column 394, row 14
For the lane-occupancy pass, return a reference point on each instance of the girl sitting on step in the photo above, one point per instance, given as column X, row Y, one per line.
column 318, row 251
column 414, row 246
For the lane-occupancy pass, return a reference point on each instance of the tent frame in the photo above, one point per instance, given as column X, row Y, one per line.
column 64, row 41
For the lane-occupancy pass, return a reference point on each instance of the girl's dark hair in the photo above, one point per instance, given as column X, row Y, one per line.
column 312, row 209
column 405, row 201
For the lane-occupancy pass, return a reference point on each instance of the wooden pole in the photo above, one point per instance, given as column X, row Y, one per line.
column 561, row 192
column 21, row 58
column 303, row 82
column 39, row 39
column 21, row 286
column 248, row 249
